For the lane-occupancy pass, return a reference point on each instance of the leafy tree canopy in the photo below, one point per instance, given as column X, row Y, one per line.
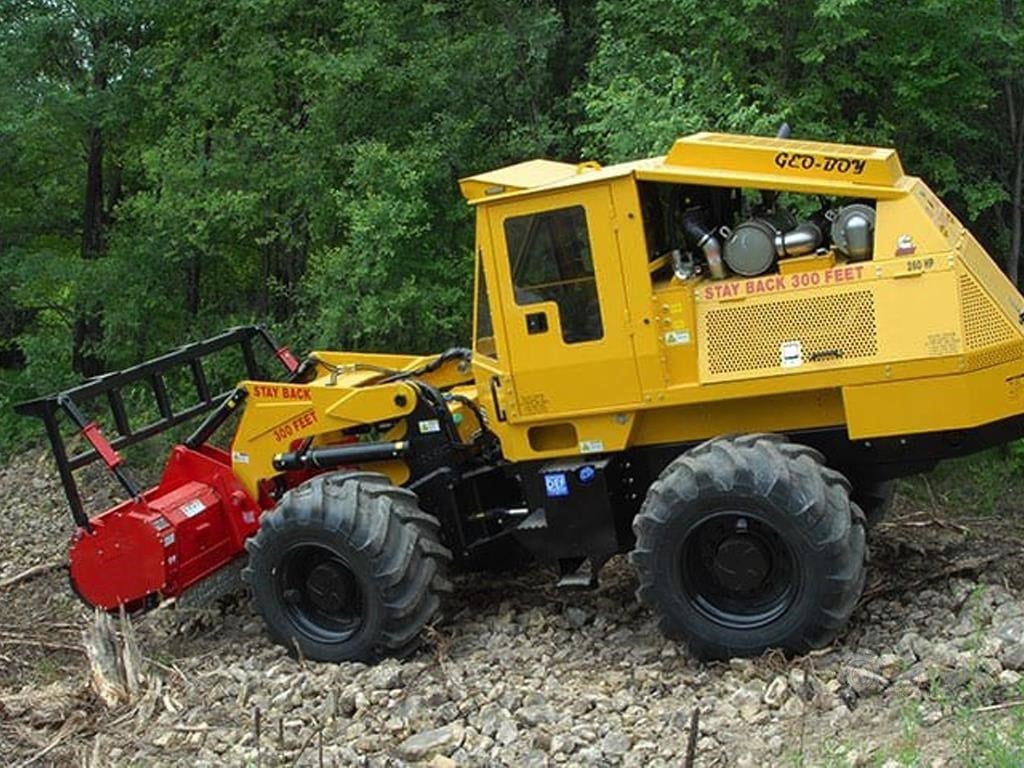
column 169, row 169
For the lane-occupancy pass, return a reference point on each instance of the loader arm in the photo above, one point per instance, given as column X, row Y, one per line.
column 370, row 408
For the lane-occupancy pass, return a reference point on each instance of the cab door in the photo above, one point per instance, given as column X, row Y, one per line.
column 566, row 322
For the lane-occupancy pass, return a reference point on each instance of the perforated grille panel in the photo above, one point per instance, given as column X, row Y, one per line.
column 984, row 324
column 995, row 356
column 829, row 328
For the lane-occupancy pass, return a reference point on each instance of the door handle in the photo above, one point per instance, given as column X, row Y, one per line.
column 537, row 322
column 499, row 414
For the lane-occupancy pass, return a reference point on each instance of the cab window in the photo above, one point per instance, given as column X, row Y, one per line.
column 550, row 259
column 484, row 326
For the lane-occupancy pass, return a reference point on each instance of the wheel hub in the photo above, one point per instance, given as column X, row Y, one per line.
column 736, row 569
column 330, row 587
column 741, row 563
column 321, row 595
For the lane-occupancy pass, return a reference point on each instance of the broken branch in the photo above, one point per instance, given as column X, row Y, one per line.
column 32, row 572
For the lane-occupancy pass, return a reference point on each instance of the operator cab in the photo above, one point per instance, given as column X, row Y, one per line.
column 549, row 341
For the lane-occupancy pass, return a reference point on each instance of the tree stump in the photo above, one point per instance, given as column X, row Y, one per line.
column 115, row 662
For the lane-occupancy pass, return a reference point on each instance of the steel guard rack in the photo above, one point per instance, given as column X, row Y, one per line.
column 152, row 371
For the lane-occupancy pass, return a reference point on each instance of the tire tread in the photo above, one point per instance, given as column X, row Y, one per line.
column 384, row 524
column 794, row 478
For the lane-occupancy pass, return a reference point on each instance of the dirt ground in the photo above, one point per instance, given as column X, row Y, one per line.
column 928, row 672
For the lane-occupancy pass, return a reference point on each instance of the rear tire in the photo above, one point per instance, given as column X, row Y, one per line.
column 749, row 543
column 347, row 567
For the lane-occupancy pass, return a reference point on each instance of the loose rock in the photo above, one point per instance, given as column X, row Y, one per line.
column 777, row 692
column 864, row 682
column 444, row 740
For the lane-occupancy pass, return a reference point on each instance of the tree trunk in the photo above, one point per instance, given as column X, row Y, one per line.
column 85, row 359
column 1013, row 88
column 92, row 217
column 114, row 191
column 1015, row 115
column 85, row 356
column 1017, row 218
column 193, row 271
column 263, row 298
column 194, row 265
column 788, row 65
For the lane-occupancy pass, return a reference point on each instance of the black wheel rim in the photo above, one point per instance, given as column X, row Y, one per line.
column 737, row 570
column 320, row 593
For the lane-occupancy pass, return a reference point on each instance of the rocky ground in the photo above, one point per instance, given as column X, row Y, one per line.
column 521, row 674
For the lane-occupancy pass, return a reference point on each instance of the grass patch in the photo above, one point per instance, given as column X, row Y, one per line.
column 997, row 744
column 907, row 750
column 986, row 483
column 50, row 669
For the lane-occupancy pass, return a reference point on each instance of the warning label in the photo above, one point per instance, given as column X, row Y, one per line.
column 735, row 289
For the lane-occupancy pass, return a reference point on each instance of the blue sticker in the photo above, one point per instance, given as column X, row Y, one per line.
column 556, row 484
column 586, row 473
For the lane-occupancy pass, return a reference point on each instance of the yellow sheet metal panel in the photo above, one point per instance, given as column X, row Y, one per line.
column 941, row 216
column 941, row 403
column 918, row 316
column 551, row 373
column 984, row 324
column 840, row 317
column 777, row 181
column 675, row 328
column 813, row 263
column 914, row 227
column 788, row 158
column 772, row 325
column 763, row 413
column 641, row 307
column 592, row 173
column 750, row 162
column 512, row 178
column 990, row 337
column 599, row 433
column 991, row 279
column 788, row 336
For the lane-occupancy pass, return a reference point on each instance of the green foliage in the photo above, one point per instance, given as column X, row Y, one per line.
column 296, row 163
column 266, row 161
column 837, row 70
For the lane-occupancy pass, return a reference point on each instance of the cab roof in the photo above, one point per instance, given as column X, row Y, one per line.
column 717, row 159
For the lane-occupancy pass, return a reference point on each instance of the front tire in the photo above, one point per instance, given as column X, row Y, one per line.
column 347, row 567
column 750, row 543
